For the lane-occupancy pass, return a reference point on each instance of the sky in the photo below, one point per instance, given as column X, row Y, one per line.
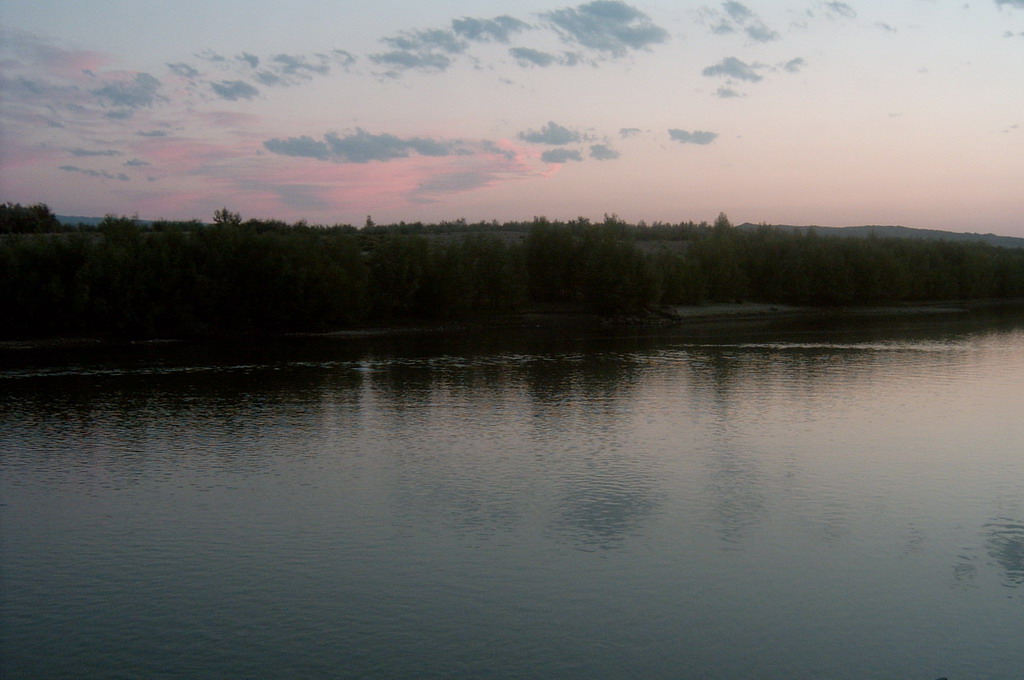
column 906, row 112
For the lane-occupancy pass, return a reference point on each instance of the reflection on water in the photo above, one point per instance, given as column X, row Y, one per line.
column 790, row 505
column 738, row 493
column 1005, row 545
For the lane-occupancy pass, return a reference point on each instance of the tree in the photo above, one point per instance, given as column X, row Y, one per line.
column 32, row 219
column 225, row 217
column 551, row 261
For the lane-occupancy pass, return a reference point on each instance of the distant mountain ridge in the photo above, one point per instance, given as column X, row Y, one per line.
column 896, row 232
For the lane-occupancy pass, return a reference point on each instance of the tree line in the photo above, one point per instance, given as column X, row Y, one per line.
column 256, row 276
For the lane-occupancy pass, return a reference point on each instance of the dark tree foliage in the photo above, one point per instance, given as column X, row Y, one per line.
column 223, row 279
column 614, row 276
column 552, row 262
column 224, row 217
column 413, row 277
column 234, row 277
column 31, row 219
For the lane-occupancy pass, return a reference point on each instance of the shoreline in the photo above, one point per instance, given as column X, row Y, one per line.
column 553, row 317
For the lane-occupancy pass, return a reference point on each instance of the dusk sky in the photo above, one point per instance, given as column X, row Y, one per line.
column 801, row 112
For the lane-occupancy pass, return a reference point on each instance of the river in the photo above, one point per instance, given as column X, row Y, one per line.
column 841, row 500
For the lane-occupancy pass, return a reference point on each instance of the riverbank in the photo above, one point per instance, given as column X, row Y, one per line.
column 568, row 318
column 711, row 315
column 713, row 312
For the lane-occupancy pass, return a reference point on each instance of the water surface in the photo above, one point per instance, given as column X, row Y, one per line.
column 840, row 502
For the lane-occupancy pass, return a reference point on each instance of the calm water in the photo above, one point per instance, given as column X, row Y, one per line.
column 801, row 503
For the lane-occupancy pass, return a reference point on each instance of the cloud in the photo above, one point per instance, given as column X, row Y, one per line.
column 737, row 17
column 343, row 58
column 429, row 50
column 405, row 60
column 87, row 152
column 561, row 156
column 23, row 88
column 603, row 152
column 531, row 57
column 278, row 70
column 727, row 93
column 843, row 10
column 1012, row 3
column 463, row 173
column 135, row 163
column 454, row 182
column 696, row 137
column 794, row 65
column 629, row 132
column 233, row 90
column 183, row 70
column 571, row 59
column 723, row 27
column 498, row 29
column 151, row 133
column 302, row 196
column 212, row 57
column 761, row 33
column 291, row 64
column 734, row 68
column 738, row 11
column 292, row 69
column 489, row 147
column 552, row 133
column 302, row 147
column 136, row 92
column 431, row 39
column 362, row 147
column 269, row 78
column 95, row 173
column 608, row 26
column 23, row 49
column 226, row 119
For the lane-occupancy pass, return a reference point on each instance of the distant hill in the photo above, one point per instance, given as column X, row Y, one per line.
column 898, row 232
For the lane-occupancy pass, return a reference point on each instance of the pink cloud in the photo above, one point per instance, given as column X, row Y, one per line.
column 27, row 50
column 181, row 155
column 78, row 61
column 291, row 188
column 16, row 154
column 227, row 119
